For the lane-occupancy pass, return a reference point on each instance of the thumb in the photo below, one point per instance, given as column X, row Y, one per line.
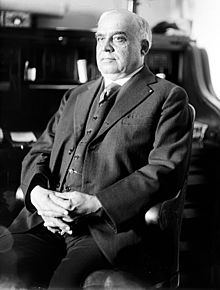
column 64, row 195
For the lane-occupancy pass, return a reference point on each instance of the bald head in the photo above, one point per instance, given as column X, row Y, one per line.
column 140, row 24
column 123, row 40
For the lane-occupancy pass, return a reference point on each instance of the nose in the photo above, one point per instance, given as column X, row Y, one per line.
column 107, row 46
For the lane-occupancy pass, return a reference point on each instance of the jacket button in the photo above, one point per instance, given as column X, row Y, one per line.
column 70, row 151
column 76, row 157
column 67, row 188
column 58, row 185
column 89, row 131
column 70, row 171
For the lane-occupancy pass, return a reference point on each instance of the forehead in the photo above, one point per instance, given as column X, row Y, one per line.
column 116, row 22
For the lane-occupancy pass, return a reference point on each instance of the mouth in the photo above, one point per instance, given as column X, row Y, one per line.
column 107, row 59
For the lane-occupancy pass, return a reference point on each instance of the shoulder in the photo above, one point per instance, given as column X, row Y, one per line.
column 82, row 88
column 167, row 85
column 162, row 88
column 167, row 89
column 78, row 89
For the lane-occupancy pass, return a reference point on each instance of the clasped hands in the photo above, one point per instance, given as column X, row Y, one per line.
column 59, row 209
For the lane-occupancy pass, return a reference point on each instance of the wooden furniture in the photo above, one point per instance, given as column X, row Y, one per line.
column 36, row 67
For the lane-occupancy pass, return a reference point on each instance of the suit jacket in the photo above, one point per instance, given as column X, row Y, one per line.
column 137, row 159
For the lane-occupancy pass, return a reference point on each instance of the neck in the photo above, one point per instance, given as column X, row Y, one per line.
column 114, row 77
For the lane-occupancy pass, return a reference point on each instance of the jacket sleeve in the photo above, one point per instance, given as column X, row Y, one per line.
column 165, row 169
column 35, row 166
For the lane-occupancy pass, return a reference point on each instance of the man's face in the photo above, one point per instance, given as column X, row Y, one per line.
column 118, row 50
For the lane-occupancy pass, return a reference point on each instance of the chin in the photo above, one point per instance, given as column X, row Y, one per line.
column 112, row 76
column 104, row 72
column 108, row 69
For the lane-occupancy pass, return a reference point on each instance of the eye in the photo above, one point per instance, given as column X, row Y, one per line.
column 119, row 39
column 99, row 38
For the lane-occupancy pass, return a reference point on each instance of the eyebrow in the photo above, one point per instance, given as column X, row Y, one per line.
column 114, row 33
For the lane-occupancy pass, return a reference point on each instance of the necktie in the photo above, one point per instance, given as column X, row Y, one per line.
column 108, row 92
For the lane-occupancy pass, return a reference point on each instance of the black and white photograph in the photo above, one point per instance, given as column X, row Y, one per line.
column 109, row 144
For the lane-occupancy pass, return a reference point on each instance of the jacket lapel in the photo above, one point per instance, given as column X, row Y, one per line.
column 135, row 91
column 83, row 105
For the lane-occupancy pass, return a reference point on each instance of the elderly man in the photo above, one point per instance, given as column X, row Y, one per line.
column 115, row 147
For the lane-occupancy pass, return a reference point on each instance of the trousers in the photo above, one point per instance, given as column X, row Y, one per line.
column 39, row 258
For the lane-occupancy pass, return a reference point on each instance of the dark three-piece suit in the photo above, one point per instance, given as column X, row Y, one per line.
column 137, row 158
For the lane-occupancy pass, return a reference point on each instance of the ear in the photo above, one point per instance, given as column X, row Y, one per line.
column 144, row 46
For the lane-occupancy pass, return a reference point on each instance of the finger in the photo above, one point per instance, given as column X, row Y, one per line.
column 51, row 224
column 53, row 230
column 67, row 232
column 74, row 196
column 51, row 227
column 65, row 195
column 56, row 207
column 49, row 213
column 64, row 203
column 53, row 208
column 56, row 223
column 67, row 219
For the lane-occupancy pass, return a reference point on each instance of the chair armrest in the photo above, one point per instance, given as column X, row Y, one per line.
column 19, row 195
column 152, row 216
column 166, row 213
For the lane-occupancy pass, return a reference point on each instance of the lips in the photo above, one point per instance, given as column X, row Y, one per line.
column 107, row 59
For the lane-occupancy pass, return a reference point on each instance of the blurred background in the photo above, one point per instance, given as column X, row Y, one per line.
column 48, row 46
column 199, row 18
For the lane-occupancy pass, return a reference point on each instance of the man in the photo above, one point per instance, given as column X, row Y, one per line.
column 92, row 174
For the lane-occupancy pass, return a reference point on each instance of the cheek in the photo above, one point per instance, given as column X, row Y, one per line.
column 98, row 53
column 122, row 56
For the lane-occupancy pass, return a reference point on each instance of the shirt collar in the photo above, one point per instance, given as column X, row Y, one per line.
column 122, row 81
